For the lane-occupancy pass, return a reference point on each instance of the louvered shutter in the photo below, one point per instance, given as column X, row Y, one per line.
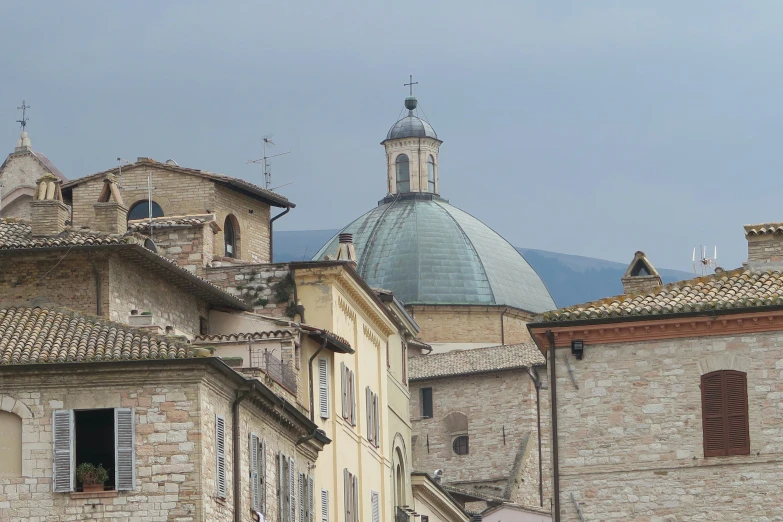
column 301, row 497
column 344, row 381
column 220, row 450
column 712, row 414
column 323, row 387
column 262, row 465
column 310, row 499
column 292, row 490
column 282, row 481
column 353, row 398
column 355, row 497
column 124, row 449
column 377, row 421
column 368, row 407
column 347, row 494
column 324, row 506
column 737, row 413
column 62, row 477
column 254, row 486
column 376, row 507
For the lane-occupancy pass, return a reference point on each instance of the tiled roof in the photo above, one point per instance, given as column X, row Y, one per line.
column 33, row 335
column 272, row 197
column 740, row 288
column 253, row 336
column 141, row 225
column 476, row 360
column 16, row 233
column 48, row 165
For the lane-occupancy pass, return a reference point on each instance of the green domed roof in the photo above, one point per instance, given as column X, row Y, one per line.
column 429, row 252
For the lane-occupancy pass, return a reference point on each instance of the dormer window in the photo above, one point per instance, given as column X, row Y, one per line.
column 431, row 174
column 141, row 210
column 403, row 174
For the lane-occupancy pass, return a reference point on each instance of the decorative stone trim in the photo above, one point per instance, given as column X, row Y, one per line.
column 723, row 361
column 18, row 408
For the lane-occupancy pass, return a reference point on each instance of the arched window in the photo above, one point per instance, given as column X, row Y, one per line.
column 231, row 236
column 10, row 445
column 141, row 210
column 431, row 173
column 403, row 174
column 460, row 445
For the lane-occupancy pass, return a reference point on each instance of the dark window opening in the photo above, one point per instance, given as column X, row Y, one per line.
column 724, row 409
column 94, row 440
column 640, row 270
column 230, row 237
column 403, row 174
column 141, row 210
column 203, row 326
column 431, row 174
column 460, row 445
column 426, row 402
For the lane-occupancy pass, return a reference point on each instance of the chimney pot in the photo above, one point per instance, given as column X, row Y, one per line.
column 111, row 216
column 346, row 250
column 641, row 276
column 48, row 212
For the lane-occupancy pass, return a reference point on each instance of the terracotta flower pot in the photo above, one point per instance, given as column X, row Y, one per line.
column 92, row 488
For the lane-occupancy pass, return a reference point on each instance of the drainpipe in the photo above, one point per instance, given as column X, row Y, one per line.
column 555, row 459
column 271, row 240
column 537, row 383
column 503, row 327
column 241, row 396
column 310, row 371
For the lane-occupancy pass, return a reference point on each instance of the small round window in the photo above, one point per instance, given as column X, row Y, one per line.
column 460, row 445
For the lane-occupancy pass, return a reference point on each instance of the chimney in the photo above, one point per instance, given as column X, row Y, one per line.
column 765, row 245
column 111, row 216
column 48, row 212
column 640, row 277
column 345, row 250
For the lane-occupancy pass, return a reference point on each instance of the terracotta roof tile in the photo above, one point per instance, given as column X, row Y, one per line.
column 740, row 288
column 16, row 233
column 141, row 225
column 252, row 336
column 476, row 360
column 34, row 335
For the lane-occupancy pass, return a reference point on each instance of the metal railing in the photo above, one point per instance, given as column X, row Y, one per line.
column 277, row 370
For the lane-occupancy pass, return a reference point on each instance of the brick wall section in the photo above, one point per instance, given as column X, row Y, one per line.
column 48, row 217
column 190, row 247
column 631, row 437
column 253, row 227
column 167, row 445
column 111, row 217
column 132, row 288
column 267, row 287
column 484, row 399
column 640, row 284
column 765, row 248
column 470, row 324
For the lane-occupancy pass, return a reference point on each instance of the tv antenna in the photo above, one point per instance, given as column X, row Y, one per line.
column 702, row 263
column 268, row 143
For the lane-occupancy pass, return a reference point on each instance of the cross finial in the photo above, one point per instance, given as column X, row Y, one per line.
column 23, row 121
column 411, row 84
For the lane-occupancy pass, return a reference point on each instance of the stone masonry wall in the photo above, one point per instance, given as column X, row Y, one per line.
column 134, row 289
column 497, row 405
column 253, row 218
column 269, row 288
column 447, row 324
column 167, row 444
column 630, row 438
column 191, row 247
column 765, row 248
column 20, row 172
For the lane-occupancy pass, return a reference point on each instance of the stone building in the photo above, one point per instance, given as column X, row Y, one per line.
column 666, row 401
column 18, row 174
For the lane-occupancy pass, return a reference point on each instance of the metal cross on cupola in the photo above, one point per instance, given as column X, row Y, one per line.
column 23, row 121
column 411, row 84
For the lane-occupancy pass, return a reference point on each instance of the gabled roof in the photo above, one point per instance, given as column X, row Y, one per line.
column 45, row 162
column 238, row 184
column 735, row 289
column 16, row 237
column 35, row 335
column 476, row 360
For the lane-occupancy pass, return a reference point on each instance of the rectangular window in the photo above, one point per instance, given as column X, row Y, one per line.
column 351, row 497
column 373, row 418
column 349, row 394
column 220, row 453
column 724, row 407
column 426, row 403
column 255, row 472
column 103, row 437
column 323, row 387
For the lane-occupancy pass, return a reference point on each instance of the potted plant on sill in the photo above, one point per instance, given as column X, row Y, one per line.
column 92, row 477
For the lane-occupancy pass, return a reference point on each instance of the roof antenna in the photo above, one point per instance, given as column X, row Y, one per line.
column 265, row 160
column 704, row 263
column 23, row 121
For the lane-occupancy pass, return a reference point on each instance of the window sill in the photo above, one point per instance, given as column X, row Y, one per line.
column 76, row 495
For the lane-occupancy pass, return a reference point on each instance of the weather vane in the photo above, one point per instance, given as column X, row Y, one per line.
column 411, row 84
column 23, row 121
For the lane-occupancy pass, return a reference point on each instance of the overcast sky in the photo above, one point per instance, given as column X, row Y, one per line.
column 591, row 128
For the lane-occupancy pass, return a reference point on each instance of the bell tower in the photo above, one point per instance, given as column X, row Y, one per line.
column 411, row 153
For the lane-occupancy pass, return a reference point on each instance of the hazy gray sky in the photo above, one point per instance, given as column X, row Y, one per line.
column 593, row 128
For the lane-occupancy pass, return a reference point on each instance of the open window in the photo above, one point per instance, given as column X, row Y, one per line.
column 104, row 437
column 231, row 236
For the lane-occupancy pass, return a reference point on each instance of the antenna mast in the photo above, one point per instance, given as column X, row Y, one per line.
column 267, row 140
column 702, row 263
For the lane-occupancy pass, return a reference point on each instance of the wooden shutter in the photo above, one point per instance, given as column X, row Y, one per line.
column 282, row 481
column 323, row 387
column 254, row 486
column 292, row 490
column 737, row 412
column 220, row 450
column 724, row 406
column 62, row 476
column 310, row 499
column 353, row 397
column 324, row 505
column 262, row 476
column 377, row 411
column 376, row 508
column 368, row 408
column 347, row 494
column 355, row 497
column 124, row 449
column 344, row 381
column 302, row 497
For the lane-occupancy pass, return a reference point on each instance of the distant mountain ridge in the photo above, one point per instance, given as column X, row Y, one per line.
column 570, row 279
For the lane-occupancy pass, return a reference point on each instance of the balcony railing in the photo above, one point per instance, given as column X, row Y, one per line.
column 277, row 370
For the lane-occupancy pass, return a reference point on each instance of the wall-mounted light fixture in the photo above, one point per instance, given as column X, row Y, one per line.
column 578, row 348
